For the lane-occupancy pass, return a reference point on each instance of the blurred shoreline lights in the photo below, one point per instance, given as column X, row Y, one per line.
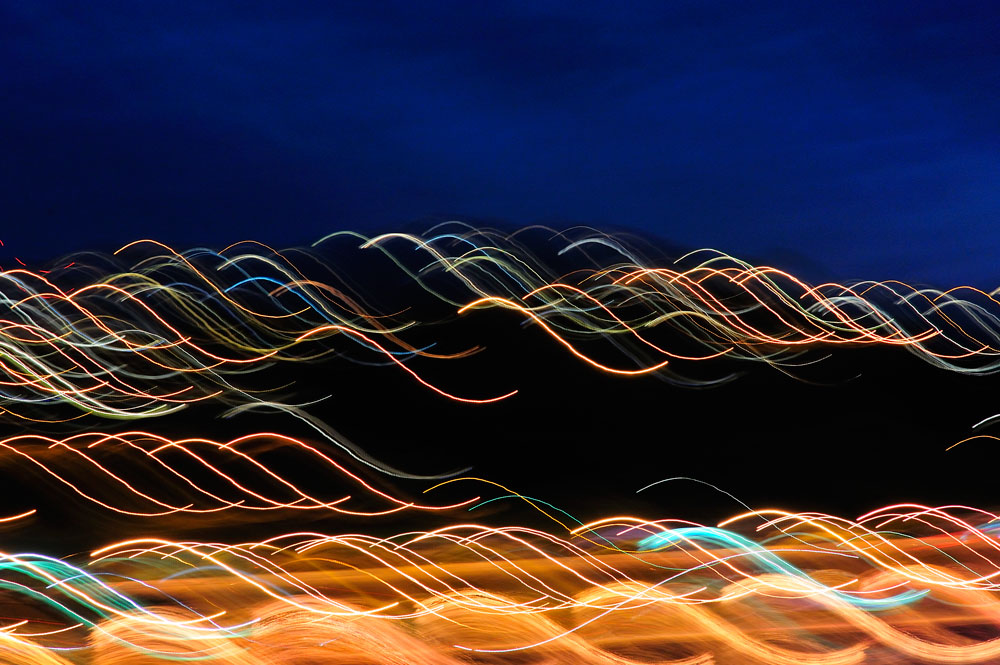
column 151, row 331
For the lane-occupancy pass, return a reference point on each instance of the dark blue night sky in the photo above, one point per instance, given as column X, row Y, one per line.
column 846, row 139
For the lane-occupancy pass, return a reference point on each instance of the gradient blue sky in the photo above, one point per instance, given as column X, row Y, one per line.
column 851, row 139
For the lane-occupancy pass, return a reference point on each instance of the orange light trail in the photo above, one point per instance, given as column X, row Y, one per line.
column 785, row 588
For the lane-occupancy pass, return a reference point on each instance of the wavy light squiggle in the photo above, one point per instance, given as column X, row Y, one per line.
column 903, row 582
